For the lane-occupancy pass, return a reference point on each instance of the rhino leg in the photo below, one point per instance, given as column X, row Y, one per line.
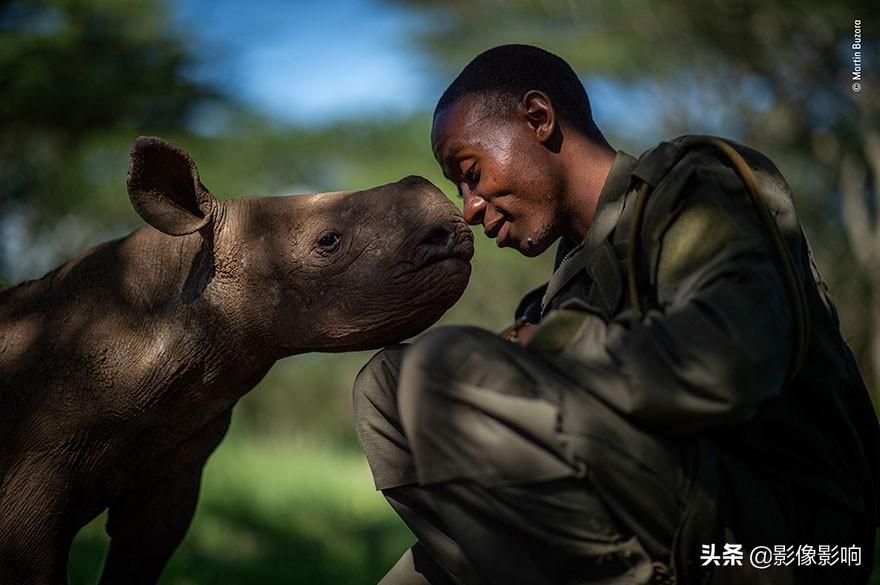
column 35, row 537
column 148, row 522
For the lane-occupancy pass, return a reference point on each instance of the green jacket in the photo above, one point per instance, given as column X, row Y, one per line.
column 710, row 357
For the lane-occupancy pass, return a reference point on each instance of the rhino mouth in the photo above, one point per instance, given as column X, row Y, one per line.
column 448, row 241
column 439, row 243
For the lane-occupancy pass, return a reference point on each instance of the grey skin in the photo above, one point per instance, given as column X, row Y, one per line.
column 119, row 369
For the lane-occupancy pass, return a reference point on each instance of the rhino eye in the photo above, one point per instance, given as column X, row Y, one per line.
column 329, row 241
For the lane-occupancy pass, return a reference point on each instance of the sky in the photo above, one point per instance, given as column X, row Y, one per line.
column 311, row 62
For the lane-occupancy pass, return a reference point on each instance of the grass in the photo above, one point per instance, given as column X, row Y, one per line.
column 275, row 512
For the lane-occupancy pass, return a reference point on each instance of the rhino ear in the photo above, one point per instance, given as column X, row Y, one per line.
column 164, row 187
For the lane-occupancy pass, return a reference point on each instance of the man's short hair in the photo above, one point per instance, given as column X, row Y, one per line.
column 504, row 74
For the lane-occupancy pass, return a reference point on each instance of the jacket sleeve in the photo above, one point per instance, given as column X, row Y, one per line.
column 720, row 341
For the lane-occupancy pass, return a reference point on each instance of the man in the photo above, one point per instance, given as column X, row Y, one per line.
column 681, row 396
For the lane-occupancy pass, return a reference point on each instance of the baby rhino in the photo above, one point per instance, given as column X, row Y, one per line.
column 119, row 369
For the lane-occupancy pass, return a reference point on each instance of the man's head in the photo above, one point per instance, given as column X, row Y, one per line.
column 498, row 134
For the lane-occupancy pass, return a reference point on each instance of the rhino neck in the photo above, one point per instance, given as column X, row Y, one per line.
column 214, row 301
column 193, row 326
column 253, row 284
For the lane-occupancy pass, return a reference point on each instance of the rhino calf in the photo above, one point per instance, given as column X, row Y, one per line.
column 119, row 369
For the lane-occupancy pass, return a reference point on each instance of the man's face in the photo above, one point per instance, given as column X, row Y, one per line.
column 505, row 175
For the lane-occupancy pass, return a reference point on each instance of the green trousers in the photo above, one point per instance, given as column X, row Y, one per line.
column 508, row 472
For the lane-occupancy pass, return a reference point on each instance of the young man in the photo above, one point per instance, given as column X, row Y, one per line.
column 681, row 397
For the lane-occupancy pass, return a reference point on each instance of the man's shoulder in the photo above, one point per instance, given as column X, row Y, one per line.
column 691, row 163
column 701, row 202
column 701, row 156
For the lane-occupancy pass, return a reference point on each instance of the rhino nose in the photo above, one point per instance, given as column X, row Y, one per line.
column 436, row 236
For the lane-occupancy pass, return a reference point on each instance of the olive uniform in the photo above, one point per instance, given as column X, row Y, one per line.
column 622, row 441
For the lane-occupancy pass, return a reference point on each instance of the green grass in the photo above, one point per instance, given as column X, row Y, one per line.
column 273, row 512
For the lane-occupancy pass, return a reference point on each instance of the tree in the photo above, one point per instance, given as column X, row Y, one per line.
column 73, row 73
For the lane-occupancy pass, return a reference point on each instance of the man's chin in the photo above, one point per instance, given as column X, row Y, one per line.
column 529, row 248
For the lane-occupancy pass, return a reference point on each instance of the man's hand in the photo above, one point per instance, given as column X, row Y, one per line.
column 520, row 332
column 554, row 332
column 524, row 334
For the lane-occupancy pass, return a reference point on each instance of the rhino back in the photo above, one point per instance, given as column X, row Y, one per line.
column 95, row 342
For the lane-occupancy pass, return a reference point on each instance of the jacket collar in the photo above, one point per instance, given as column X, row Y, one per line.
column 571, row 258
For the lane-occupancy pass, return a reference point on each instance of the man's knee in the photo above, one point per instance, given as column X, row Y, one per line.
column 375, row 386
column 377, row 420
column 441, row 352
column 429, row 371
column 462, row 423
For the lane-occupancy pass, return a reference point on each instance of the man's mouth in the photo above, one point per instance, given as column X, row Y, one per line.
column 493, row 228
column 503, row 233
column 499, row 229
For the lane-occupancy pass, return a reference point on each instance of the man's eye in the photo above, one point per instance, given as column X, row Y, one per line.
column 472, row 176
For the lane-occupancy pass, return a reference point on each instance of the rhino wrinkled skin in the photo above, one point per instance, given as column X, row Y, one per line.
column 120, row 368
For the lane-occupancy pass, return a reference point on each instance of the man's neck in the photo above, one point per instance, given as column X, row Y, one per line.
column 587, row 167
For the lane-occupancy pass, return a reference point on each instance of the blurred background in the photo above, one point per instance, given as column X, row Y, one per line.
column 277, row 97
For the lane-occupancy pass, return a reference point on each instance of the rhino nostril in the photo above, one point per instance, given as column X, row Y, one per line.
column 436, row 236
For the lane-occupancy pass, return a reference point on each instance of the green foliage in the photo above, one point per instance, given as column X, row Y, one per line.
column 76, row 75
column 275, row 512
column 71, row 68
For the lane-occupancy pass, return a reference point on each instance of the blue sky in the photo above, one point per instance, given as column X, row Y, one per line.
column 311, row 62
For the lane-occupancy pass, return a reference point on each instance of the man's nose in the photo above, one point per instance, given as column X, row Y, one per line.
column 474, row 209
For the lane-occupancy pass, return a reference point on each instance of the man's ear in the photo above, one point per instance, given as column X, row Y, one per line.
column 164, row 187
column 539, row 114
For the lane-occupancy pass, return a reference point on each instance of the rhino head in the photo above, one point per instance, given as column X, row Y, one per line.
column 321, row 272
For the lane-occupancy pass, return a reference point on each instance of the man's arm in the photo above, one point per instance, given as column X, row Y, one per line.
column 720, row 343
